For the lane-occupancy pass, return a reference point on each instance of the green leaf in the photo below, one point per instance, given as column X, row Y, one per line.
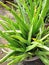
column 3, row 45
column 44, row 60
column 12, row 4
column 43, row 47
column 43, row 56
column 34, row 45
column 18, row 59
column 8, row 21
column 35, row 19
column 23, row 27
column 9, row 39
column 4, row 25
column 20, row 38
column 45, row 37
column 7, row 56
column 25, row 6
column 30, row 33
column 45, row 8
column 31, row 7
column 43, row 13
column 43, row 52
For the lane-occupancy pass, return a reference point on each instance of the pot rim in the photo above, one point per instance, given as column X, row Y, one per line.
column 32, row 59
column 47, row 24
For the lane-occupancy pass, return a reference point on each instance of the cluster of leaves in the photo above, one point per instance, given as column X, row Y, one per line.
column 25, row 35
column 47, row 17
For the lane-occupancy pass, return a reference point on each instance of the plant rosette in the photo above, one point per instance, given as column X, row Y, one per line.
column 27, row 36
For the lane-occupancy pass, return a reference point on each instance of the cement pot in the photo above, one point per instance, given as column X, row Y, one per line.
column 46, row 25
column 34, row 61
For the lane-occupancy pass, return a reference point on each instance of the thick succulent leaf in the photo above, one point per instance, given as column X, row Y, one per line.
column 31, row 7
column 43, row 56
column 25, row 6
column 30, row 34
column 21, row 50
column 41, row 29
column 18, row 59
column 22, row 42
column 12, row 31
column 22, row 12
column 12, row 4
column 43, row 47
column 34, row 45
column 45, row 8
column 23, row 27
column 7, row 56
column 45, row 37
column 35, row 18
column 12, row 11
column 9, row 39
column 44, row 60
column 42, row 52
column 4, row 25
column 20, row 38
column 43, row 13
column 9, row 22
column 3, row 45
column 13, row 48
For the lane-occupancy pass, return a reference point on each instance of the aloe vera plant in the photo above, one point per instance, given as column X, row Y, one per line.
column 27, row 36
